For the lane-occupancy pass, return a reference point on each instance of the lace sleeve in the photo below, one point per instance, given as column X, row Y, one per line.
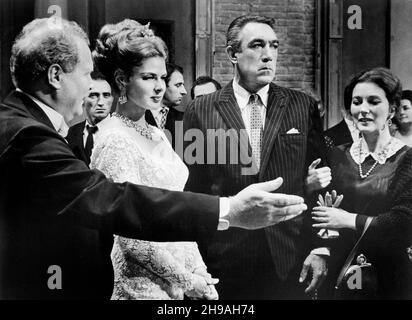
column 198, row 260
column 157, row 258
column 118, row 158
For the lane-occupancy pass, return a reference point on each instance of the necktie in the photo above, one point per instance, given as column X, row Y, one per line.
column 163, row 117
column 256, row 126
column 89, row 142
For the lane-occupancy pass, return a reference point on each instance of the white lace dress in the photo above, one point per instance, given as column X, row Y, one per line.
column 143, row 269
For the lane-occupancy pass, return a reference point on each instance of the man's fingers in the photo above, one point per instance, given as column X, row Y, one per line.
column 323, row 170
column 282, row 200
column 269, row 186
column 212, row 281
column 319, row 214
column 338, row 201
column 287, row 213
column 313, row 284
column 314, row 164
column 321, row 225
column 320, row 219
column 304, row 272
column 321, row 201
column 328, row 199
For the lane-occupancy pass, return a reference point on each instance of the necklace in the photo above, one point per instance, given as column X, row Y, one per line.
column 383, row 153
column 145, row 131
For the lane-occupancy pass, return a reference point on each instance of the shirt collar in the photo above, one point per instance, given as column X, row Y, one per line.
column 381, row 156
column 98, row 124
column 55, row 118
column 156, row 112
column 242, row 95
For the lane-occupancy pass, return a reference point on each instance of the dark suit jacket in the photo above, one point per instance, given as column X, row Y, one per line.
column 338, row 135
column 75, row 140
column 173, row 116
column 235, row 252
column 53, row 209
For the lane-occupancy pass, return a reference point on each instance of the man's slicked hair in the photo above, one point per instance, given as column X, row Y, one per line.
column 203, row 80
column 232, row 35
column 170, row 68
column 41, row 44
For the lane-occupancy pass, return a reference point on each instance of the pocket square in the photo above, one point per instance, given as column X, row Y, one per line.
column 293, row 131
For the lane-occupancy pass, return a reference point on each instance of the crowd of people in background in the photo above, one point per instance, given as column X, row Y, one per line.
column 133, row 122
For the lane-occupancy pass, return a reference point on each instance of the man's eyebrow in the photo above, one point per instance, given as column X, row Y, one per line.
column 257, row 40
column 263, row 40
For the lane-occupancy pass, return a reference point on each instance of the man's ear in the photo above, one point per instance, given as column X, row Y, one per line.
column 231, row 54
column 120, row 79
column 54, row 76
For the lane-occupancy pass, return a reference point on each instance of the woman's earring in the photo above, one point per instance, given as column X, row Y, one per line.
column 389, row 122
column 122, row 97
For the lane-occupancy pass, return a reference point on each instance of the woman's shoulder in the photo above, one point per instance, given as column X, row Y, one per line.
column 405, row 155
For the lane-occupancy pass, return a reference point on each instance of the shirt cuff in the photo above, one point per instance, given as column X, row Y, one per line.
column 224, row 208
column 324, row 251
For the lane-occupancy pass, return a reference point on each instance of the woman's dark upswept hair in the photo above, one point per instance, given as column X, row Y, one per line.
column 124, row 46
column 383, row 78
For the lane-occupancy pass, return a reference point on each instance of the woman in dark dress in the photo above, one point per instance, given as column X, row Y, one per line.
column 375, row 177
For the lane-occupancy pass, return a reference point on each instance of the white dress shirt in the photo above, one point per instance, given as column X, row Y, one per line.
column 86, row 133
column 158, row 116
column 242, row 98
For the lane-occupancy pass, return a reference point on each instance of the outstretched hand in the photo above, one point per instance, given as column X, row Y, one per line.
column 257, row 207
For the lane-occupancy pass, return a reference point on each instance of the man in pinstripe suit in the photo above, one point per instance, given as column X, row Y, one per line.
column 265, row 264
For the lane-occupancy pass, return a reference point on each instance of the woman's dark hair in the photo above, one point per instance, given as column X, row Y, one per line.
column 383, row 78
column 124, row 46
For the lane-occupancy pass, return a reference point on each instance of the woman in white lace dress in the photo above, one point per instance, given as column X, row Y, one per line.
column 128, row 149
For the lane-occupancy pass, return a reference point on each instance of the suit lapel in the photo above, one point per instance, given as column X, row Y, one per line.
column 21, row 101
column 274, row 115
column 79, row 138
column 229, row 109
column 230, row 112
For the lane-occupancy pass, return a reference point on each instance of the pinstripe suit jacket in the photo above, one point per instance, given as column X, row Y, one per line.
column 283, row 155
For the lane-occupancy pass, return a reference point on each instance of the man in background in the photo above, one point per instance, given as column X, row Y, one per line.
column 204, row 85
column 168, row 118
column 96, row 108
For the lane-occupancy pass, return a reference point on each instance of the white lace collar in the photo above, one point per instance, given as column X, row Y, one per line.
column 381, row 157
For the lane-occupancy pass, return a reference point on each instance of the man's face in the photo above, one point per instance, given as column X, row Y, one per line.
column 99, row 101
column 75, row 85
column 175, row 90
column 256, row 58
column 202, row 89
